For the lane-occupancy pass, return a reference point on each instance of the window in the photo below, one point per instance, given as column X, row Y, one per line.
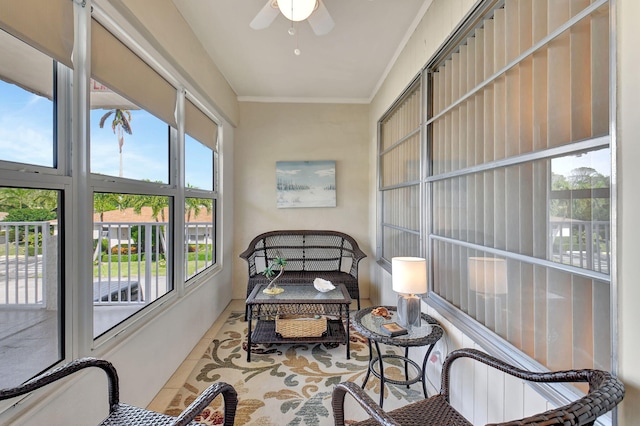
column 131, row 257
column 134, row 167
column 30, row 302
column 201, row 135
column 26, row 113
column 519, row 150
column 131, row 138
column 400, row 174
column 127, row 141
column 31, row 214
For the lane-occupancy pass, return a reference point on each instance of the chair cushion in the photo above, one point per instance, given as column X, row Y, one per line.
column 125, row 414
column 434, row 411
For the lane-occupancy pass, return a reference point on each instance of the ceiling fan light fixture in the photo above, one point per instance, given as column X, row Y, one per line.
column 297, row 10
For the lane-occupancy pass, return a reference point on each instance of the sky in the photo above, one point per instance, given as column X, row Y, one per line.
column 599, row 160
column 26, row 136
column 311, row 173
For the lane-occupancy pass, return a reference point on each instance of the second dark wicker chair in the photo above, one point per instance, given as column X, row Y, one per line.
column 605, row 392
column 122, row 414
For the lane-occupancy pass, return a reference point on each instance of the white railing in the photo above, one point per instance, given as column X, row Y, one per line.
column 583, row 244
column 199, row 238
column 23, row 262
column 129, row 265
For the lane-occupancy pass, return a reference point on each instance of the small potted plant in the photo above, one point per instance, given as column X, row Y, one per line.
column 270, row 271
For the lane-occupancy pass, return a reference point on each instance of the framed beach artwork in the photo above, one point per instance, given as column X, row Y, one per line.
column 306, row 184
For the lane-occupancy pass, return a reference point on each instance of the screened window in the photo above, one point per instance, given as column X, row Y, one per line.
column 26, row 104
column 520, row 166
column 200, row 235
column 126, row 140
column 30, row 303
column 200, row 204
column 201, row 138
column 131, row 257
column 400, row 177
column 31, row 219
column 134, row 165
column 132, row 130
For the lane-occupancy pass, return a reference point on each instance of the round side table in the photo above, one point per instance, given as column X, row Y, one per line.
column 427, row 334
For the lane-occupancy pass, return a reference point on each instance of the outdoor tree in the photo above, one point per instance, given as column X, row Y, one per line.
column 121, row 123
column 158, row 205
column 104, row 202
column 195, row 205
column 16, row 198
column 579, row 203
column 21, row 198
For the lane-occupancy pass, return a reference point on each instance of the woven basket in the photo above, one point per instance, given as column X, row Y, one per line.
column 300, row 326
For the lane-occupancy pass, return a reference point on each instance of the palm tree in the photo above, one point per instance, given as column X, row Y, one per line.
column 121, row 123
column 158, row 206
column 195, row 205
column 104, row 202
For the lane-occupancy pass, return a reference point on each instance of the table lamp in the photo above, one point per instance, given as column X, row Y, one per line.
column 488, row 279
column 409, row 278
column 487, row 275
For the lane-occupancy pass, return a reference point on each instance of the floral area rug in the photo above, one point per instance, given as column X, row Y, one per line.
column 287, row 384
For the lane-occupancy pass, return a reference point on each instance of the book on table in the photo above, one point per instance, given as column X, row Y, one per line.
column 393, row 329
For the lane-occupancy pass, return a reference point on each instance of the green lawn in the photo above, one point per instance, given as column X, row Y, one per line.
column 127, row 268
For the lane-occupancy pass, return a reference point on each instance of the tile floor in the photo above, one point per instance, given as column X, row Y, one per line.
column 166, row 394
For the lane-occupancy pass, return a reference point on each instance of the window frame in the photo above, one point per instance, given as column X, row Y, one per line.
column 70, row 175
column 486, row 338
column 212, row 194
column 55, row 178
column 416, row 86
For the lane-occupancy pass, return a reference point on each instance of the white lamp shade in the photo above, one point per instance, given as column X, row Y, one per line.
column 297, row 10
column 409, row 275
column 487, row 275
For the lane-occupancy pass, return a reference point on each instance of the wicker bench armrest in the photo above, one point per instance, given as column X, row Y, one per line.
column 205, row 398
column 368, row 404
column 64, row 371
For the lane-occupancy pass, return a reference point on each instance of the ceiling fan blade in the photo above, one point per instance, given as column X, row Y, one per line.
column 265, row 17
column 320, row 20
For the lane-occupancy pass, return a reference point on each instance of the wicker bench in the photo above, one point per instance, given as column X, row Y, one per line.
column 330, row 255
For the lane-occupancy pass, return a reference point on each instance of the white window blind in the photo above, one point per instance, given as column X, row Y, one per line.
column 46, row 25
column 400, row 166
column 116, row 66
column 199, row 126
column 520, row 165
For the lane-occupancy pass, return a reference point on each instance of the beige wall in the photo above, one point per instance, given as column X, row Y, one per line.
column 628, row 176
column 270, row 132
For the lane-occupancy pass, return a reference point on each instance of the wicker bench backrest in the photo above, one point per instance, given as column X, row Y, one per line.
column 304, row 251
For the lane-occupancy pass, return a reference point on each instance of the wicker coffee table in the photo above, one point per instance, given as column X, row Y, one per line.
column 297, row 299
column 427, row 334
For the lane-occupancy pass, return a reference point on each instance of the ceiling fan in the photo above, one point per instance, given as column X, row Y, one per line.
column 313, row 11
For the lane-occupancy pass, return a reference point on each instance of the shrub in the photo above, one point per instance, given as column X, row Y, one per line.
column 124, row 249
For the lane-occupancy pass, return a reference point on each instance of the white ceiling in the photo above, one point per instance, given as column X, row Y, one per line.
column 345, row 65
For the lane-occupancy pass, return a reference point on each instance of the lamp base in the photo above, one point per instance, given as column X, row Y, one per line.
column 409, row 310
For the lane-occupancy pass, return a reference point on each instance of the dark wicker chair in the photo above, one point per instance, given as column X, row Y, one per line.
column 122, row 414
column 605, row 392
